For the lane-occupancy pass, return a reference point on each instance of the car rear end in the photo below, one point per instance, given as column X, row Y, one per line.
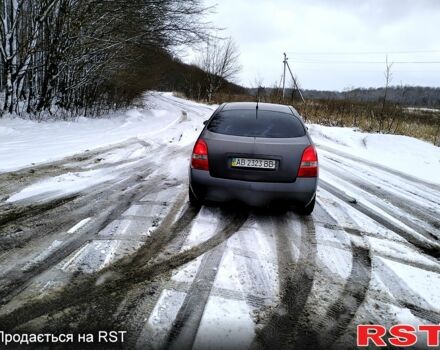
column 254, row 155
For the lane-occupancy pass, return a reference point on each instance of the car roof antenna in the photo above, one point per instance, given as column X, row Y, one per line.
column 257, row 103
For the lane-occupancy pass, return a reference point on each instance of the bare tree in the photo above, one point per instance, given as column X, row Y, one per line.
column 220, row 62
column 388, row 77
column 257, row 86
column 69, row 55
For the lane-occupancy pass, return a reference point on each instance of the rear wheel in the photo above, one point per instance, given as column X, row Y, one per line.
column 308, row 209
column 193, row 200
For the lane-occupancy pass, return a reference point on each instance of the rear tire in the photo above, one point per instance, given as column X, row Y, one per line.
column 308, row 209
column 193, row 200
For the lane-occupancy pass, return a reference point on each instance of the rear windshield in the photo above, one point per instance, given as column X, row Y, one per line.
column 257, row 124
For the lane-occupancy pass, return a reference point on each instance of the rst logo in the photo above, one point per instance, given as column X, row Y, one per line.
column 398, row 335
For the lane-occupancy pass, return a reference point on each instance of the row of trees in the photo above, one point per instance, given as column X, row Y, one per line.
column 86, row 56
column 421, row 96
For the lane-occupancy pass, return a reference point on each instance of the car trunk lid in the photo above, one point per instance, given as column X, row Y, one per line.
column 286, row 152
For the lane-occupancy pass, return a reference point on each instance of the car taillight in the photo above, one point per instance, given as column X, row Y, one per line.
column 199, row 158
column 309, row 163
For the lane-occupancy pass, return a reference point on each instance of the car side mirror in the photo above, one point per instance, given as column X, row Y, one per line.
column 205, row 122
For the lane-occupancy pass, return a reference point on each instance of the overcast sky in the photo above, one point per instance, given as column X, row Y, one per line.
column 331, row 44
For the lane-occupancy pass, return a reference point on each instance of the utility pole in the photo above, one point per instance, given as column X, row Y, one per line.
column 284, row 75
column 292, row 76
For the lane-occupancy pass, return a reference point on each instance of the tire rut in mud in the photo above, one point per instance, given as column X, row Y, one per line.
column 340, row 314
column 363, row 234
column 296, row 280
column 101, row 293
column 427, row 247
column 381, row 167
column 31, row 222
column 112, row 205
column 14, row 181
column 11, row 214
column 186, row 324
column 35, row 223
column 185, row 107
column 404, row 295
column 230, row 223
column 84, row 289
column 116, row 308
column 140, row 302
column 398, row 202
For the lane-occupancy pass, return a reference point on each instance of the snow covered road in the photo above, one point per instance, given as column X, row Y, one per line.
column 98, row 235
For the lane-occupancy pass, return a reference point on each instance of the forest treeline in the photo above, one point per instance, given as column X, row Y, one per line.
column 416, row 96
column 71, row 57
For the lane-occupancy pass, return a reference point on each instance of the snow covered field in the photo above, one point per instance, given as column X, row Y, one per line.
column 95, row 227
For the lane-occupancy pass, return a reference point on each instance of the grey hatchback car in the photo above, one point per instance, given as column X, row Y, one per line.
column 256, row 153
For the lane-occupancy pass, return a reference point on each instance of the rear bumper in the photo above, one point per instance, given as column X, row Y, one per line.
column 206, row 187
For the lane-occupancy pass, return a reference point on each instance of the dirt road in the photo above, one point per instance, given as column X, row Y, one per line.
column 131, row 254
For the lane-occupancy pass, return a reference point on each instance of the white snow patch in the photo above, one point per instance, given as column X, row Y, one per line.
column 204, row 227
column 43, row 255
column 79, row 225
column 96, row 255
column 187, row 272
column 226, row 324
column 6, row 131
column 338, row 261
column 417, row 282
column 155, row 332
column 227, row 276
column 421, row 159
column 359, row 195
column 62, row 185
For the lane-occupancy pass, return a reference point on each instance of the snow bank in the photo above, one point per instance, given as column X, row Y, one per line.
column 402, row 153
column 24, row 142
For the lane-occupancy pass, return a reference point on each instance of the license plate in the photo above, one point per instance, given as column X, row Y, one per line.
column 253, row 163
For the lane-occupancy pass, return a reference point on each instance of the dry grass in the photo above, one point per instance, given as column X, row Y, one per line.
column 367, row 116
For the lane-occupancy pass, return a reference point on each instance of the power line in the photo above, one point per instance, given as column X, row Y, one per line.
column 378, row 70
column 363, row 62
column 361, row 52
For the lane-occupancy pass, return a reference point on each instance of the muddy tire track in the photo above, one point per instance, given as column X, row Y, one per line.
column 230, row 223
column 14, row 181
column 83, row 288
column 360, row 233
column 12, row 213
column 409, row 189
column 340, row 314
column 186, row 324
column 116, row 308
column 404, row 295
column 140, row 302
column 113, row 205
column 112, row 282
column 296, row 281
column 407, row 177
column 166, row 232
column 334, row 322
column 186, row 107
column 30, row 224
column 424, row 214
column 429, row 248
column 184, row 330
column 363, row 264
